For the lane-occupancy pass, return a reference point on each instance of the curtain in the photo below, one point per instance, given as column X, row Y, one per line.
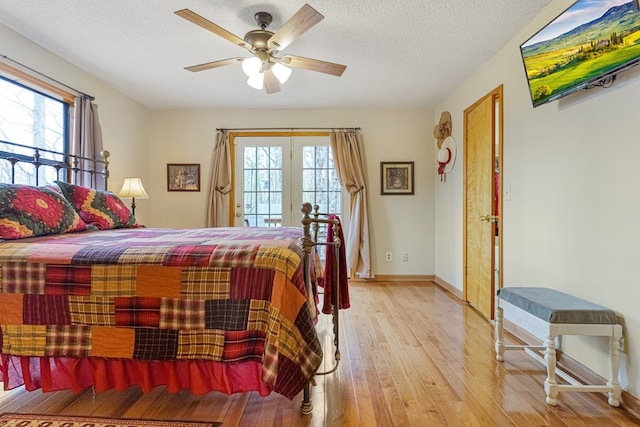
column 219, row 183
column 87, row 143
column 348, row 155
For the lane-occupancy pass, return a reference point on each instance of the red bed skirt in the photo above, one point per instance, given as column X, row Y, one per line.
column 64, row 373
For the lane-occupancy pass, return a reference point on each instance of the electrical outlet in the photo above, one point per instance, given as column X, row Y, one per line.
column 405, row 257
column 388, row 256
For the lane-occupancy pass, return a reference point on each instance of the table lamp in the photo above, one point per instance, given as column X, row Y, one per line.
column 132, row 188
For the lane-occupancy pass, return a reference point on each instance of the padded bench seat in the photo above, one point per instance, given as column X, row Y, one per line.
column 551, row 313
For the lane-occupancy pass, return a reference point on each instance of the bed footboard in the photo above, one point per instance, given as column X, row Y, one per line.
column 311, row 220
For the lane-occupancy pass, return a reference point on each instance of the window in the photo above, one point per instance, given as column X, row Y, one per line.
column 31, row 117
column 275, row 175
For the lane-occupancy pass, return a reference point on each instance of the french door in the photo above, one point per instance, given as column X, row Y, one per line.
column 274, row 175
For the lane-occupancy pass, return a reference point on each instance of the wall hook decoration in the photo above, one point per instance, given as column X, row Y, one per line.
column 443, row 129
column 446, row 156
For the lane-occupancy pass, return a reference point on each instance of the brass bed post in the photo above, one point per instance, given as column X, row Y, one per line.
column 75, row 168
column 308, row 244
column 105, row 171
column 335, row 293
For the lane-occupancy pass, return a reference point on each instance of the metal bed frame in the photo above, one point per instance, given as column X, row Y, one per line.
column 68, row 169
column 311, row 223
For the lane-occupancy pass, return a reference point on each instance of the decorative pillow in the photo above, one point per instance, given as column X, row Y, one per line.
column 27, row 211
column 54, row 188
column 103, row 209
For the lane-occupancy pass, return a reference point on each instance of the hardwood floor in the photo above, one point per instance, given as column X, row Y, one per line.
column 412, row 355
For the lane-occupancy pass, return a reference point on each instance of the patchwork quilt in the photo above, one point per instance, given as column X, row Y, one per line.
column 220, row 294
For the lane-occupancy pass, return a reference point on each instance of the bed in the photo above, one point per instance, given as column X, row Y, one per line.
column 92, row 299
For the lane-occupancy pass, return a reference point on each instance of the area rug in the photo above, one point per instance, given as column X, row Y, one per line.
column 35, row 420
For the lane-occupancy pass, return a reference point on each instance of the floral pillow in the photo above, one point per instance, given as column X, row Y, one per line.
column 103, row 209
column 27, row 211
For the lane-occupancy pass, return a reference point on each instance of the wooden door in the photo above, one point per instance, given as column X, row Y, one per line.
column 480, row 129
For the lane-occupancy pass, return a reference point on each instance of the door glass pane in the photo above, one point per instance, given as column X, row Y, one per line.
column 262, row 161
column 308, row 181
column 320, row 185
column 250, row 160
column 262, row 186
column 275, row 180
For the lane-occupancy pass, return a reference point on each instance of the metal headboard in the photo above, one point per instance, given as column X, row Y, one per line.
column 67, row 167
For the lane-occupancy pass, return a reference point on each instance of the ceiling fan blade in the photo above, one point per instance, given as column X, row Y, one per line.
column 298, row 24
column 214, row 64
column 271, row 84
column 313, row 65
column 208, row 25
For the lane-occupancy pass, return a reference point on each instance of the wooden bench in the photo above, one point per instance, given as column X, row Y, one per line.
column 549, row 313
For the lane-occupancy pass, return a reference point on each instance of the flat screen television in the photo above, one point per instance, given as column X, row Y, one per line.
column 585, row 44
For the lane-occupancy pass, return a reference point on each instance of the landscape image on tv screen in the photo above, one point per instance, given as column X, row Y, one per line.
column 588, row 41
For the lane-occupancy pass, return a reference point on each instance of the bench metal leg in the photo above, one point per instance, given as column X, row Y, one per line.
column 550, row 384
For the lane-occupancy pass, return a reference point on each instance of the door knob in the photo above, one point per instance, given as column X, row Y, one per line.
column 489, row 218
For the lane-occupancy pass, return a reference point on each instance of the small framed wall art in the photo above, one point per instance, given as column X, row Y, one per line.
column 183, row 177
column 396, row 178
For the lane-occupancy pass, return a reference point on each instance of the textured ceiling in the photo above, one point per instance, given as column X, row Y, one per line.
column 399, row 53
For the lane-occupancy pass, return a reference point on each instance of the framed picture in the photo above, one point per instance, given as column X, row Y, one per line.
column 183, row 177
column 396, row 178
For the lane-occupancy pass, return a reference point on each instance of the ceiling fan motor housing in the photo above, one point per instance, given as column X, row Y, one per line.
column 258, row 39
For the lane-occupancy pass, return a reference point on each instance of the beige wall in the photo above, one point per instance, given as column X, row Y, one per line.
column 125, row 123
column 389, row 135
column 572, row 222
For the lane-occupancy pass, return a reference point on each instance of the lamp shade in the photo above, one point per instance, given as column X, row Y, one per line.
column 281, row 72
column 256, row 81
column 132, row 188
column 251, row 66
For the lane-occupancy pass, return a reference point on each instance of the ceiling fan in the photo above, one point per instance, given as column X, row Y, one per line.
column 264, row 68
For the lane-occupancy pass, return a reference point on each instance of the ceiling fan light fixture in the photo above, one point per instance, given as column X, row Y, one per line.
column 281, row 72
column 256, row 81
column 251, row 66
column 264, row 69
